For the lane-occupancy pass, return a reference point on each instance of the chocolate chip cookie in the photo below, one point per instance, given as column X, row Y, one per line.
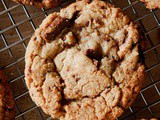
column 41, row 3
column 83, row 63
column 152, row 4
column 6, row 100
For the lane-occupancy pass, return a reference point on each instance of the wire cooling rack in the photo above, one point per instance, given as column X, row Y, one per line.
column 17, row 24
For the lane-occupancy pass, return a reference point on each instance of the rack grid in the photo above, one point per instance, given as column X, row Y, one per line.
column 17, row 24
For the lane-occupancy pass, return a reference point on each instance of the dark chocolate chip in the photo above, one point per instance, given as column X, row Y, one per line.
column 55, row 28
column 93, row 54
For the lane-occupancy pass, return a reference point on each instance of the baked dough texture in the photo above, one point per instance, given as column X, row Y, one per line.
column 7, row 109
column 41, row 3
column 83, row 63
column 152, row 4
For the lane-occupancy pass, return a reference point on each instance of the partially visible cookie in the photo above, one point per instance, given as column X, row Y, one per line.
column 41, row 3
column 83, row 63
column 6, row 100
column 147, row 119
column 152, row 4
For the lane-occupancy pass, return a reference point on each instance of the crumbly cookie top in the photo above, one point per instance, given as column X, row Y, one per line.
column 83, row 62
column 41, row 3
column 6, row 100
column 152, row 4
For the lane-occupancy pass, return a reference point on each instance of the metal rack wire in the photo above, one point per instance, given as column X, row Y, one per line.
column 13, row 66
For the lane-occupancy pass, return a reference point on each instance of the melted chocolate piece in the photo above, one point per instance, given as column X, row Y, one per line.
column 55, row 28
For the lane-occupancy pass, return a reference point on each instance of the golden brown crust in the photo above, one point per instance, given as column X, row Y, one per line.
column 41, row 3
column 152, row 4
column 90, row 70
column 7, row 110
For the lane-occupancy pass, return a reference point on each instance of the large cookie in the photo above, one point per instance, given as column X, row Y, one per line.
column 41, row 3
column 7, row 110
column 83, row 62
column 152, row 4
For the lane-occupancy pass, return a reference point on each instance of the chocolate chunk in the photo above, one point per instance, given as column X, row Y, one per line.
column 55, row 28
column 94, row 54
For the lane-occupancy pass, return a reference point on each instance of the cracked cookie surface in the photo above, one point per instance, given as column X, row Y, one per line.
column 83, row 62
column 41, row 3
column 152, row 4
